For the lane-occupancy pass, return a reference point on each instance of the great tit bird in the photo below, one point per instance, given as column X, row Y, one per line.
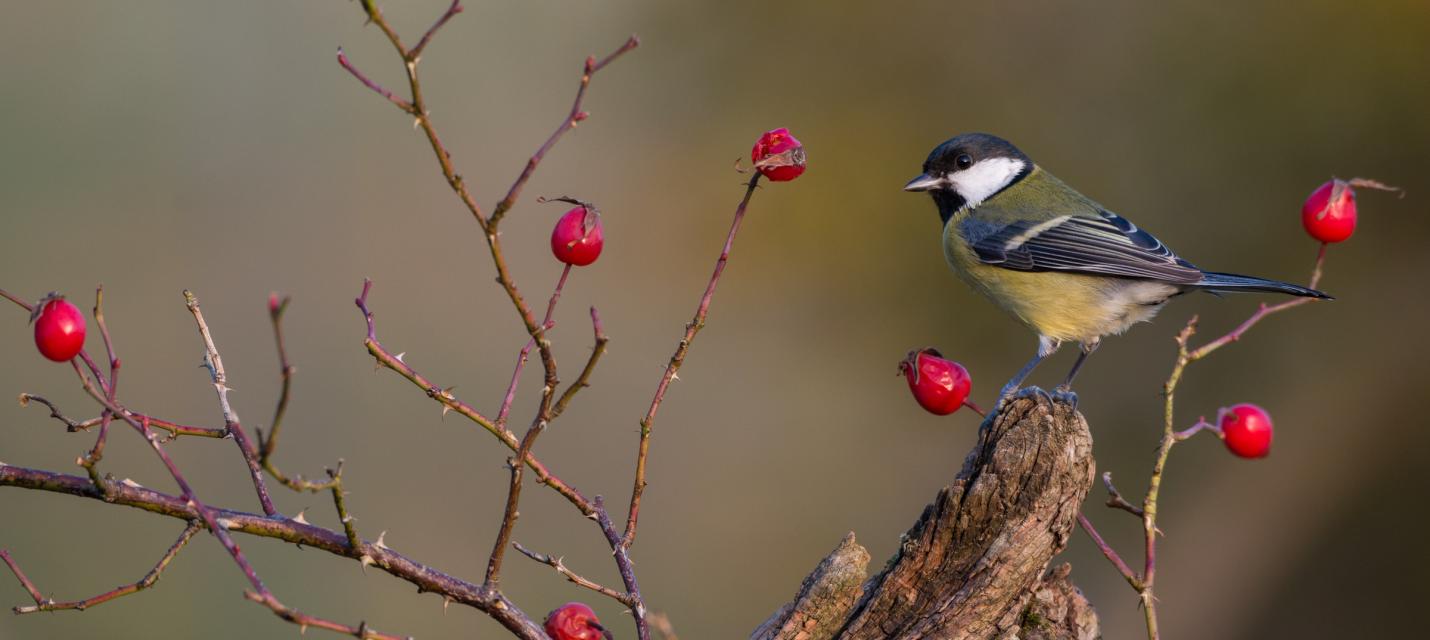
column 1062, row 264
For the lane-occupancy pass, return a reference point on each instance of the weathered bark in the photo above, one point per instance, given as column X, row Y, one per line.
column 973, row 566
column 825, row 598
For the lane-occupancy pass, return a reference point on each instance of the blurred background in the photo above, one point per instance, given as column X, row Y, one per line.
column 158, row 146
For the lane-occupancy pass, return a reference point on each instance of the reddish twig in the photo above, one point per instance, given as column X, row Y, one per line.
column 214, row 363
column 90, row 461
column 425, row 578
column 673, row 368
column 560, row 566
column 17, row 300
column 147, row 581
column 525, row 352
column 1108, row 551
column 1261, row 313
column 584, row 380
column 267, row 445
column 626, row 568
column 175, row 430
column 260, row 592
column 573, row 117
column 379, row 89
column 416, row 53
column 538, row 425
column 450, row 402
column 70, row 424
column 24, row 581
column 1192, row 430
column 417, row 107
column 1115, row 499
column 513, row 499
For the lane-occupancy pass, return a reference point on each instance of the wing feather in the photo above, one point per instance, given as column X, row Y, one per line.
column 1107, row 244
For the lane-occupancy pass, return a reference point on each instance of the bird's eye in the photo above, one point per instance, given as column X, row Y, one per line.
column 963, row 161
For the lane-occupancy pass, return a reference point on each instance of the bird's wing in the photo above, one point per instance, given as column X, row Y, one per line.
column 1105, row 244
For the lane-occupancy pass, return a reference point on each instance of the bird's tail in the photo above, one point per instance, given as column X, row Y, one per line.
column 1230, row 282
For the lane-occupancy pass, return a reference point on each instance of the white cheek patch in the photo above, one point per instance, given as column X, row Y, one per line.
column 985, row 178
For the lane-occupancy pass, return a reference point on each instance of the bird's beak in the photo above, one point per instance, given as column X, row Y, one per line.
column 926, row 182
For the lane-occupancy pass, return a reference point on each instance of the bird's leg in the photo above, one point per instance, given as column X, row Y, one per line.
column 1064, row 391
column 1046, row 347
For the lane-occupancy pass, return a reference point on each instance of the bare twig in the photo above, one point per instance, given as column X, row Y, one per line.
column 144, row 583
column 17, row 300
column 1112, row 556
column 417, row 107
column 538, row 425
column 1194, row 429
column 626, row 568
column 70, row 424
column 678, row 359
column 90, row 461
column 285, row 372
column 214, row 363
column 1115, row 499
column 560, row 566
column 450, row 402
column 584, row 380
column 269, row 443
column 547, row 323
column 416, row 53
column 425, row 578
column 340, row 496
column 175, row 430
column 260, row 593
column 24, row 581
column 575, row 116
column 379, row 89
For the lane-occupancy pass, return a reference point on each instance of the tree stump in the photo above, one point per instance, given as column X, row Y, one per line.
column 974, row 566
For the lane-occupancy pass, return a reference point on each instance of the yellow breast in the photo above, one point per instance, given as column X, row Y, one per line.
column 1063, row 306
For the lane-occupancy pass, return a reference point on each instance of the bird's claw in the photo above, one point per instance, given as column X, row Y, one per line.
column 1065, row 396
column 1034, row 392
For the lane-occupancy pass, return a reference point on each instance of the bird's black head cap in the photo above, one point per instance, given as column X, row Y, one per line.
column 945, row 158
column 961, row 153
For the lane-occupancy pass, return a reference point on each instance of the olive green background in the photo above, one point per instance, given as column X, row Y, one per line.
column 157, row 146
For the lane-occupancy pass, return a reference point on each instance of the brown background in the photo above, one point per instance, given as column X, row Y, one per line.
column 217, row 146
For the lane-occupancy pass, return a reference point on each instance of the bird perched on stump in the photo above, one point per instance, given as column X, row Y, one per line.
column 1062, row 264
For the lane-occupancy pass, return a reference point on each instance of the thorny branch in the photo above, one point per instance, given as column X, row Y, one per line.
column 560, row 566
column 293, row 530
column 450, row 403
column 104, row 395
column 549, row 406
column 269, row 443
column 1144, row 583
column 673, row 368
column 584, row 380
column 46, row 604
column 186, row 505
column 214, row 363
column 538, row 425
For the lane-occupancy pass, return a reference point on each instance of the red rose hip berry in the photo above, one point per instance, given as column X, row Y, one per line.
column 1246, row 430
column 575, row 621
column 59, row 328
column 939, row 385
column 779, row 155
column 577, row 239
column 1329, row 214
